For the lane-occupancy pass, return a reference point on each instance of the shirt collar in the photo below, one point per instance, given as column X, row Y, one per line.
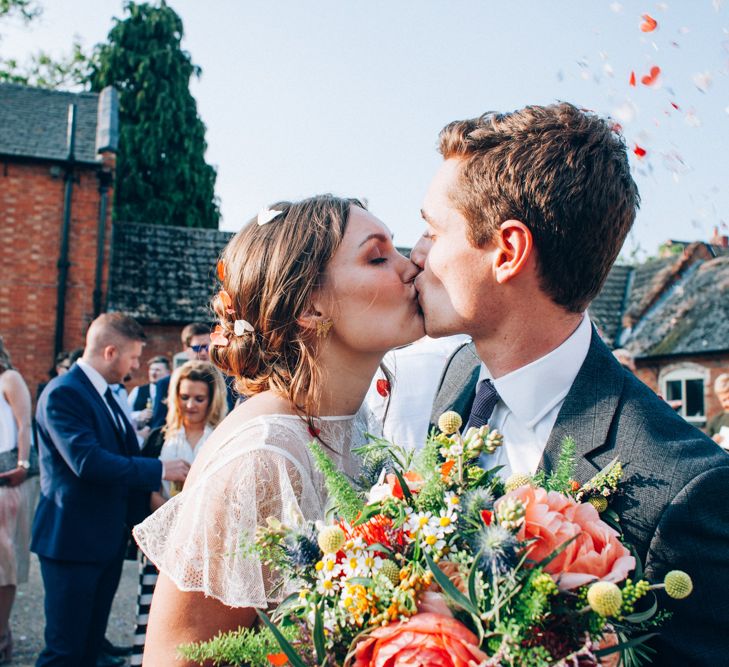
column 531, row 391
column 94, row 376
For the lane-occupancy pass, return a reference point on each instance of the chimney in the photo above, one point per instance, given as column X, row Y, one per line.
column 719, row 239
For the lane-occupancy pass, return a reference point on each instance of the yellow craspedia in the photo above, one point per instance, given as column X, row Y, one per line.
column 678, row 584
column 331, row 539
column 600, row 503
column 449, row 422
column 605, row 598
column 517, row 480
column 391, row 571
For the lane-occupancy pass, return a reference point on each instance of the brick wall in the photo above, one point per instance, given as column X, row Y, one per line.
column 31, row 214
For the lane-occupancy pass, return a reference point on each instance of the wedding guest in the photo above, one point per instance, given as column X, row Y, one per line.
column 141, row 398
column 91, row 472
column 718, row 428
column 18, row 492
column 402, row 397
column 198, row 406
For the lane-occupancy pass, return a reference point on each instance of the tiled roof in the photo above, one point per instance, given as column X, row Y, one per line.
column 34, row 123
column 692, row 317
column 607, row 308
column 164, row 274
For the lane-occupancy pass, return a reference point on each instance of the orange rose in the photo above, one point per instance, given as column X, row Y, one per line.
column 553, row 518
column 424, row 639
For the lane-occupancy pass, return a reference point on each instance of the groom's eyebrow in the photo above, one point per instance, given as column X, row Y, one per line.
column 379, row 237
column 427, row 218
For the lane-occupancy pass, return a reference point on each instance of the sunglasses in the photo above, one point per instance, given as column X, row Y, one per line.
column 199, row 348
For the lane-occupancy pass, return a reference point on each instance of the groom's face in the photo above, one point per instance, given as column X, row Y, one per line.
column 456, row 279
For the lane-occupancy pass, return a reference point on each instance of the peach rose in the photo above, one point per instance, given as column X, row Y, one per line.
column 553, row 518
column 424, row 639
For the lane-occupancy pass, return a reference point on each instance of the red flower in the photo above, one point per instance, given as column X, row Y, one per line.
column 486, row 516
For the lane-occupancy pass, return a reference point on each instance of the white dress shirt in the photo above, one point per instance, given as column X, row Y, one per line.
column 100, row 384
column 530, row 399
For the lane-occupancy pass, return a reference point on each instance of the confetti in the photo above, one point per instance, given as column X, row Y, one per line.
column 675, row 106
column 692, row 120
column 649, row 23
column 639, row 151
column 632, row 79
column 703, row 81
column 652, row 78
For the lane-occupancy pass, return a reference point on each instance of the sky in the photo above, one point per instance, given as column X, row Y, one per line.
column 348, row 97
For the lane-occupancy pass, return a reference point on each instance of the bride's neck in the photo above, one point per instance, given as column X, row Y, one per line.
column 345, row 380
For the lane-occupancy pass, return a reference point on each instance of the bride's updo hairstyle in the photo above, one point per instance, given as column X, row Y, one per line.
column 270, row 271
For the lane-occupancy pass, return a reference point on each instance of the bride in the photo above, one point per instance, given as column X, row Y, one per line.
column 314, row 295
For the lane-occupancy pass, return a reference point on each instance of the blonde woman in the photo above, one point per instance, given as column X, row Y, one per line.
column 198, row 404
column 314, row 294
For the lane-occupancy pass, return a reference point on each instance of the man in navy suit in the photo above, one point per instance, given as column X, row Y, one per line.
column 91, row 479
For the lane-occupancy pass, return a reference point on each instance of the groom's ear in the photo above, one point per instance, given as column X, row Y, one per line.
column 515, row 247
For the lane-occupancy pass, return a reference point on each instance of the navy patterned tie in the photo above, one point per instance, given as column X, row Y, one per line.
column 483, row 404
column 116, row 410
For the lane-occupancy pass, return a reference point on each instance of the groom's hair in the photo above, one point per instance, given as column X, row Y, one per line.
column 561, row 171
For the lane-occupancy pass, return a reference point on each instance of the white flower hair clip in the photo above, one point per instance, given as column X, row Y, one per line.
column 265, row 215
column 241, row 326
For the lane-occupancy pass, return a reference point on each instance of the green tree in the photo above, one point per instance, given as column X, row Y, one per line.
column 161, row 176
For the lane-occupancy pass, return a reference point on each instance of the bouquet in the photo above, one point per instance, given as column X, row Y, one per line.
column 431, row 560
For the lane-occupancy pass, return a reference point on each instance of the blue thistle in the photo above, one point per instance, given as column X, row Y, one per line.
column 476, row 500
column 302, row 549
column 499, row 549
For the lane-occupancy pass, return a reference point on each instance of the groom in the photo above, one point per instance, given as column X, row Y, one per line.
column 524, row 220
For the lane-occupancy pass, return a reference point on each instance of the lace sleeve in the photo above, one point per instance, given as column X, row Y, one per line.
column 201, row 539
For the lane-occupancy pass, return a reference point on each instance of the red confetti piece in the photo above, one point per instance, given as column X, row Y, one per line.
column 675, row 106
column 632, row 79
column 652, row 78
column 616, row 127
column 383, row 388
column 486, row 517
column 221, row 271
column 314, row 432
column 639, row 151
column 649, row 23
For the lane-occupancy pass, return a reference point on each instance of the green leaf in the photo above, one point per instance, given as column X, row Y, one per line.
column 289, row 650
column 472, row 580
column 405, row 488
column 448, row 588
column 362, row 581
column 641, row 616
column 319, row 645
column 636, row 641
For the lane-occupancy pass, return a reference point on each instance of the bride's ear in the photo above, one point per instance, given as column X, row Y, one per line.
column 313, row 316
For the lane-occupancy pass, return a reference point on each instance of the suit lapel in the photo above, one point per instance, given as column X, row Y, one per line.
column 588, row 410
column 458, row 384
column 98, row 401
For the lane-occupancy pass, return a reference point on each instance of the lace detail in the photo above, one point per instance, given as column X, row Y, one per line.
column 201, row 538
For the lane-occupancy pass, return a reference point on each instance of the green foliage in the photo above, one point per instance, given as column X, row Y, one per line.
column 70, row 71
column 162, row 177
column 25, row 9
column 245, row 646
column 341, row 493
column 560, row 479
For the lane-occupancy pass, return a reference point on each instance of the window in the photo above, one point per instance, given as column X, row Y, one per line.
column 686, row 384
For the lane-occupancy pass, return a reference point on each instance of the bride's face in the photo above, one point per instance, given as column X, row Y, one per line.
column 369, row 292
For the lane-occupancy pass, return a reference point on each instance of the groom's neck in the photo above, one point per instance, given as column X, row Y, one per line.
column 524, row 336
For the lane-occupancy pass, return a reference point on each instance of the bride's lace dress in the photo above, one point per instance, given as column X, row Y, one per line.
column 264, row 469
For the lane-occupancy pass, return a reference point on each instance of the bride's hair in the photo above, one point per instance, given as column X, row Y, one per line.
column 270, row 272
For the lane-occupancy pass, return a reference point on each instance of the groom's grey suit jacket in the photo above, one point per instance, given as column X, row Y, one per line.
column 675, row 511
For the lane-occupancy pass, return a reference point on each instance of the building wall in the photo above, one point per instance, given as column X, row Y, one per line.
column 31, row 215
column 650, row 371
